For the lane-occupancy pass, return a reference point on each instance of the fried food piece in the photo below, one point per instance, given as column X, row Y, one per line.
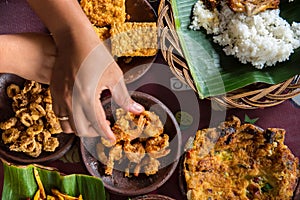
column 104, row 12
column 140, row 138
column 154, row 126
column 128, row 126
column 12, row 90
column 240, row 161
column 134, row 152
column 30, row 130
column 151, row 166
column 134, row 39
column 251, row 7
column 102, row 32
column 9, row 123
column 10, row 135
column 157, row 146
column 115, row 153
column 50, row 144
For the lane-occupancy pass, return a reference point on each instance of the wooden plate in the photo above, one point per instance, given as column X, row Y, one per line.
column 139, row 11
column 65, row 140
column 119, row 184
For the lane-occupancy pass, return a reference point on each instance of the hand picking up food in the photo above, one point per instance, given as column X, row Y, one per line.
column 140, row 143
column 252, row 31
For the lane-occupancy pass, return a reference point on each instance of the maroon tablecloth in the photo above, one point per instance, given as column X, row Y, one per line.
column 161, row 83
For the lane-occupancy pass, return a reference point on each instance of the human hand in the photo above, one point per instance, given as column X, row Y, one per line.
column 76, row 86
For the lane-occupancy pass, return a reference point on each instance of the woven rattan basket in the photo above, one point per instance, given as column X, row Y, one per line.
column 257, row 95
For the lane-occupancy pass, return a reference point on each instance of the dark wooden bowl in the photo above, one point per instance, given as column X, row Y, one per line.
column 65, row 140
column 153, row 197
column 119, row 184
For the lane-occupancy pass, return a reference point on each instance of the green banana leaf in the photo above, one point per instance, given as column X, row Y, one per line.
column 19, row 183
column 213, row 72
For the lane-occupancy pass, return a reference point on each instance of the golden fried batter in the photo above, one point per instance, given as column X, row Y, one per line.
column 102, row 32
column 30, row 130
column 104, row 12
column 251, row 7
column 141, row 139
column 235, row 161
column 133, row 39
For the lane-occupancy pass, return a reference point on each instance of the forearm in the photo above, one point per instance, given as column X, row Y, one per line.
column 29, row 55
column 67, row 22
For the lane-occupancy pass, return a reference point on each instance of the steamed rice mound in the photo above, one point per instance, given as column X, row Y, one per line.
column 262, row 39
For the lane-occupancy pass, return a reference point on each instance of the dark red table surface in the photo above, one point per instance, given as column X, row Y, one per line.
column 161, row 83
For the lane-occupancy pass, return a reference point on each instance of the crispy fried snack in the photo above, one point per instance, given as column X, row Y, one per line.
column 134, row 39
column 251, row 7
column 104, row 12
column 102, row 32
column 139, row 140
column 31, row 129
column 240, row 161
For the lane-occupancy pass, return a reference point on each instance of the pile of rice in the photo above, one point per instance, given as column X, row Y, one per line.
column 262, row 39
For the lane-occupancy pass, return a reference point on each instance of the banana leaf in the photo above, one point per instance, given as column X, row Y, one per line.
column 20, row 183
column 213, row 72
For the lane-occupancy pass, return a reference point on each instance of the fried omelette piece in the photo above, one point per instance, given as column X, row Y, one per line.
column 235, row 161
column 134, row 39
column 104, row 12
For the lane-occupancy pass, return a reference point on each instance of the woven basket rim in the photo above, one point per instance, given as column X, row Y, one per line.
column 266, row 95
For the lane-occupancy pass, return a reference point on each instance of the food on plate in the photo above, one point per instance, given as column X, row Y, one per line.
column 140, row 143
column 260, row 37
column 102, row 32
column 240, row 161
column 253, row 7
column 104, row 12
column 56, row 194
column 34, row 125
column 134, row 39
column 249, row 7
column 128, row 39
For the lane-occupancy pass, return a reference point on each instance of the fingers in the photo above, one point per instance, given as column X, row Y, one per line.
column 122, row 98
column 88, row 126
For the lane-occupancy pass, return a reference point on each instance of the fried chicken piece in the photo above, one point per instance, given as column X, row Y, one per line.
column 252, row 7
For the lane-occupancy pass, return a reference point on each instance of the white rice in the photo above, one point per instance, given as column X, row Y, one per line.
column 262, row 39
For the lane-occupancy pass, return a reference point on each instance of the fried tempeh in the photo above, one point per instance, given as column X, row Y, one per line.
column 134, row 39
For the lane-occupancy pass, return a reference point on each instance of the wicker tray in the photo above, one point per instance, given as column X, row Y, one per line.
column 257, row 95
